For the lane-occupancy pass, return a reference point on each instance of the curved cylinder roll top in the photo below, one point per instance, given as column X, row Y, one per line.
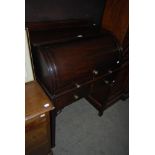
column 60, row 65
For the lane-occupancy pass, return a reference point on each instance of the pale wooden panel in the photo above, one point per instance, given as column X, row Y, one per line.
column 28, row 65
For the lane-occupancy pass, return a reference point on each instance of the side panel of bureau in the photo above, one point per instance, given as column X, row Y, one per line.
column 120, row 84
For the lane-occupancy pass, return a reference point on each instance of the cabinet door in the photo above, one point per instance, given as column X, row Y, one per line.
column 109, row 89
column 119, row 82
column 37, row 135
column 100, row 91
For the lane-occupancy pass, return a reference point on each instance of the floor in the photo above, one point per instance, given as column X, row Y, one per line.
column 80, row 131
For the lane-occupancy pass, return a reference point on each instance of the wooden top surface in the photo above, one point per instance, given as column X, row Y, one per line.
column 56, row 10
column 36, row 101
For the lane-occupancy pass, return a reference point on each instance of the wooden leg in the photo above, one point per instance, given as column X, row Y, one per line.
column 100, row 113
column 58, row 112
column 50, row 153
column 53, row 127
column 124, row 96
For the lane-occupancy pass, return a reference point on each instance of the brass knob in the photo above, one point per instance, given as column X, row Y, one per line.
column 53, row 108
column 76, row 97
column 77, row 85
column 106, row 81
column 46, row 105
column 79, row 36
column 95, row 72
column 118, row 62
column 110, row 71
column 113, row 81
column 42, row 115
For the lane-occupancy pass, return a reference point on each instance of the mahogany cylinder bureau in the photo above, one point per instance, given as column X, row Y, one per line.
column 73, row 57
column 83, row 65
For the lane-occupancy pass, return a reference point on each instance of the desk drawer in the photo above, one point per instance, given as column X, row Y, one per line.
column 37, row 136
column 69, row 97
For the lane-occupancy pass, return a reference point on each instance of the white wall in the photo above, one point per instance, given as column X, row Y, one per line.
column 28, row 65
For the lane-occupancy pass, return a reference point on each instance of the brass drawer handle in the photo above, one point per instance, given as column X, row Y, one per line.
column 79, row 36
column 77, row 85
column 76, row 97
column 106, row 81
column 42, row 115
column 113, row 81
column 46, row 105
column 118, row 62
column 110, row 71
column 95, row 72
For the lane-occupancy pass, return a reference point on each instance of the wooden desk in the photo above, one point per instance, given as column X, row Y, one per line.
column 37, row 120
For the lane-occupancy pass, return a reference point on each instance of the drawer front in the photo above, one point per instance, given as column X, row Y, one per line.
column 75, row 83
column 72, row 96
column 108, row 69
column 94, row 74
column 37, row 135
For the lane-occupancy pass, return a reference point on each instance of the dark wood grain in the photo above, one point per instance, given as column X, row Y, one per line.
column 60, row 67
column 116, row 19
column 126, row 47
column 64, row 65
column 59, row 24
column 72, row 96
column 126, row 64
column 53, row 10
column 74, row 58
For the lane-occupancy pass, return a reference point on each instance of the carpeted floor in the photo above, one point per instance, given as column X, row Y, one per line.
column 80, row 131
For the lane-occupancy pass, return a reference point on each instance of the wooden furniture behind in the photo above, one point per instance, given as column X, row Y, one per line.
column 116, row 17
column 37, row 120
